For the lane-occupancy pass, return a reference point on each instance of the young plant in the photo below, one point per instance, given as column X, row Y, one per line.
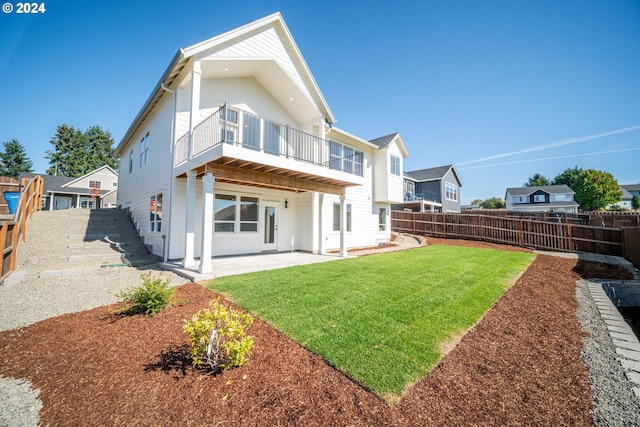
column 150, row 297
column 218, row 337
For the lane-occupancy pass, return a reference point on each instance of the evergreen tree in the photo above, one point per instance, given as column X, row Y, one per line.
column 596, row 189
column 14, row 160
column 77, row 153
column 537, row 180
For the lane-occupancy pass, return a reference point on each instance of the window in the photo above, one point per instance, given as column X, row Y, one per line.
column 233, row 213
column 248, row 214
column 228, row 122
column 382, row 219
column 336, row 217
column 346, row 159
column 519, row 199
column 450, row 191
column 131, row 161
column 95, row 184
column 144, row 150
column 225, row 213
column 395, row 165
column 357, row 161
column 335, row 160
column 347, row 162
column 538, row 198
column 251, row 131
column 155, row 212
column 272, row 138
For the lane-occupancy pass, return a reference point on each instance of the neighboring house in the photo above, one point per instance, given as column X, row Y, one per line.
column 547, row 198
column 625, row 200
column 97, row 189
column 633, row 189
column 433, row 189
column 236, row 151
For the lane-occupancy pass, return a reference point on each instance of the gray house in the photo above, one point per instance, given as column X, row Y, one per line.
column 546, row 198
column 433, row 189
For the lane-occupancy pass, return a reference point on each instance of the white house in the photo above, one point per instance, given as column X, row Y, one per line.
column 236, row 151
column 546, row 198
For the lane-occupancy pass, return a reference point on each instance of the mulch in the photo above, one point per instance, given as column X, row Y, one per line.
column 520, row 365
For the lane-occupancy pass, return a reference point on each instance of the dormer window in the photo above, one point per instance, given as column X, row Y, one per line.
column 538, row 198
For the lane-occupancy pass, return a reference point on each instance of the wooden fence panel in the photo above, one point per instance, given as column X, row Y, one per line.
column 631, row 241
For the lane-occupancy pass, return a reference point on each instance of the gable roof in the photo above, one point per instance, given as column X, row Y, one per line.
column 384, row 142
column 549, row 189
column 185, row 57
column 631, row 187
column 105, row 167
column 432, row 174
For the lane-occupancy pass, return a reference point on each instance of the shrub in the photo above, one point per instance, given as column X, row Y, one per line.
column 218, row 337
column 150, row 297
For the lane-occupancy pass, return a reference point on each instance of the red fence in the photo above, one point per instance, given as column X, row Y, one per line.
column 545, row 235
column 15, row 226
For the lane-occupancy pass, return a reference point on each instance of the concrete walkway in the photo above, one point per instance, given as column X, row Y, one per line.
column 230, row 265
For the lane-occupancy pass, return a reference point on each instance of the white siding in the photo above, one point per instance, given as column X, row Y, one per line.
column 136, row 188
column 261, row 43
column 388, row 187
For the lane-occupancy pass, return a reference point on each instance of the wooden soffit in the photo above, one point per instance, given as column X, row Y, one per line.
column 253, row 174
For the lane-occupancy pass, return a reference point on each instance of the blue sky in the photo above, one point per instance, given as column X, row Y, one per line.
column 501, row 89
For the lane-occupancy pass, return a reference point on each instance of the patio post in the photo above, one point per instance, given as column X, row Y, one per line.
column 321, row 248
column 189, row 232
column 207, row 224
column 343, row 226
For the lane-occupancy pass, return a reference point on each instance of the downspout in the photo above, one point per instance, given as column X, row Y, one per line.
column 167, row 239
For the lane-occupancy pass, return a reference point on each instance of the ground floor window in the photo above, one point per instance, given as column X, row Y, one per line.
column 155, row 210
column 382, row 219
column 336, row 217
column 232, row 213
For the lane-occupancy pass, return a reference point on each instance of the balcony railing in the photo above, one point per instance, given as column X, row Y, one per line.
column 427, row 196
column 240, row 128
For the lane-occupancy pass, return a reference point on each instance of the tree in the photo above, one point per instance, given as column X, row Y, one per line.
column 537, row 180
column 493, row 203
column 635, row 202
column 14, row 159
column 569, row 177
column 77, row 153
column 596, row 189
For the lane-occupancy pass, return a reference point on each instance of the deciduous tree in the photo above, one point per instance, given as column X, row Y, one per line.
column 596, row 189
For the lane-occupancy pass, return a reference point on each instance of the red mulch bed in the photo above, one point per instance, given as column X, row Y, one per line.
column 520, row 365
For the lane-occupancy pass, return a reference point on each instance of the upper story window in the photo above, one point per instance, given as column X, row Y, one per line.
column 144, row 150
column 131, row 161
column 409, row 186
column 519, row 199
column 450, row 191
column 345, row 158
column 561, row 198
column 395, row 165
column 95, row 184
column 538, row 198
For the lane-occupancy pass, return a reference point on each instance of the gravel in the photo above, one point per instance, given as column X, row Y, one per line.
column 615, row 404
column 30, row 298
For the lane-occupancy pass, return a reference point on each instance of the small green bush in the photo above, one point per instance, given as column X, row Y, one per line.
column 150, row 297
column 218, row 337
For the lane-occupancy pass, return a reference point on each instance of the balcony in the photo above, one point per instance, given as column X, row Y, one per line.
column 267, row 142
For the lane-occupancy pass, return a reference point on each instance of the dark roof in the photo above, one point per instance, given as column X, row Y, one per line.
column 429, row 174
column 549, row 189
column 631, row 187
column 384, row 141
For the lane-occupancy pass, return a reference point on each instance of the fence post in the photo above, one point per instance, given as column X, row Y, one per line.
column 414, row 222
column 444, row 224
column 3, row 245
column 570, row 238
column 480, row 226
column 521, row 234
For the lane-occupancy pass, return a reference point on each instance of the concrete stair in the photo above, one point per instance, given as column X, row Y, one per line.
column 79, row 241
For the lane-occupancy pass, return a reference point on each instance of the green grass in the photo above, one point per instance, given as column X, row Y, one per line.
column 380, row 319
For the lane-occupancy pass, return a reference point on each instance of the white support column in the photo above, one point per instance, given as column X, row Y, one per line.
column 195, row 104
column 343, row 226
column 321, row 248
column 207, row 224
column 190, row 220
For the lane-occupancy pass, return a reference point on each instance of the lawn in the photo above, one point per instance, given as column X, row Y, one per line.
column 381, row 319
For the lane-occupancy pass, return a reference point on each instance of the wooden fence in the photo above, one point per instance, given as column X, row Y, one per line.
column 14, row 226
column 545, row 235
